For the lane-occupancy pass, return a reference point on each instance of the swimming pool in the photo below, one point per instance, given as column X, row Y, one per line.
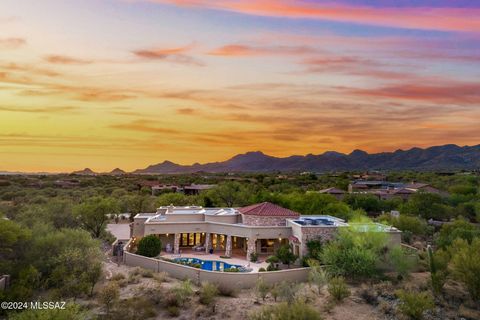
column 211, row 265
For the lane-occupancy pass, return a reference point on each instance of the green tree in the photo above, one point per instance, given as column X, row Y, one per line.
column 354, row 253
column 465, row 265
column 426, row 205
column 69, row 260
column 230, row 194
column 338, row 209
column 459, row 229
column 149, row 246
column 285, row 255
column 13, row 241
column 93, row 214
column 367, row 202
column 401, row 262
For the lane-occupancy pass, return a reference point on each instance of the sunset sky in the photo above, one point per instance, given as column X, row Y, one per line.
column 128, row 83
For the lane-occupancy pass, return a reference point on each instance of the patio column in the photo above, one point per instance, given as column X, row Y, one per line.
column 176, row 244
column 251, row 248
column 217, row 241
column 228, row 246
column 207, row 242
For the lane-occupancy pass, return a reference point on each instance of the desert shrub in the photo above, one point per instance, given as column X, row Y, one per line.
column 117, row 277
column 161, row 277
column 338, row 288
column 135, row 271
column 133, row 278
column 271, row 267
column 314, row 248
column 231, row 269
column 353, row 253
column 285, row 255
column 261, row 288
column 287, row 291
column 459, row 229
column 414, row 304
column 284, row 311
column 406, row 223
column 149, row 246
column 108, row 295
column 262, row 269
column 318, row 276
column 135, row 308
column 369, row 295
column 272, row 259
column 401, row 262
column 407, row 237
column 201, row 311
column 173, row 311
column 253, row 257
column 182, row 292
column 465, row 265
column 146, row 273
column 227, row 291
column 274, row 292
column 208, row 293
column 438, row 269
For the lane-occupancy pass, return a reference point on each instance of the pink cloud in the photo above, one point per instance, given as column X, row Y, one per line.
column 447, row 19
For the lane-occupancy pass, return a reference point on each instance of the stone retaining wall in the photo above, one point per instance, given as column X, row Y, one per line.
column 230, row 280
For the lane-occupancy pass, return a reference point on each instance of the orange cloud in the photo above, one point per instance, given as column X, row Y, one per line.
column 175, row 55
column 39, row 110
column 143, row 126
column 61, row 59
column 427, row 18
column 455, row 93
column 28, row 69
column 236, row 50
column 12, row 43
column 186, row 111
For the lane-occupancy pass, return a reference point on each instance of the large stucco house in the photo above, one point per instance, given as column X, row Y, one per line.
column 259, row 228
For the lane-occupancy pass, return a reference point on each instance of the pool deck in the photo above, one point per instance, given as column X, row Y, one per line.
column 206, row 256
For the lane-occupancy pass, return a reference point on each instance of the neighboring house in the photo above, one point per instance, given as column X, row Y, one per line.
column 260, row 228
column 337, row 193
column 67, row 183
column 385, row 190
column 156, row 190
column 195, row 189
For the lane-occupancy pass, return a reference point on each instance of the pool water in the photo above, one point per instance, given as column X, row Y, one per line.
column 211, row 265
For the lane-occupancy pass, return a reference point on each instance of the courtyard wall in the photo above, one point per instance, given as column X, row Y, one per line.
column 230, row 280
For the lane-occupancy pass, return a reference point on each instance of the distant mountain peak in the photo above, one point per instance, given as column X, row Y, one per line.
column 117, row 171
column 86, row 171
column 358, row 152
column 447, row 157
column 330, row 153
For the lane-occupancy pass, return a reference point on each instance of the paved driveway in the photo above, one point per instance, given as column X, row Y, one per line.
column 120, row 231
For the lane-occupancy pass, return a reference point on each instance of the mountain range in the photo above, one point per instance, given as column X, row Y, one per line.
column 446, row 157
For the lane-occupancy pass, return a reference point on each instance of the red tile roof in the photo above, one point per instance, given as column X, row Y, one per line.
column 267, row 209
